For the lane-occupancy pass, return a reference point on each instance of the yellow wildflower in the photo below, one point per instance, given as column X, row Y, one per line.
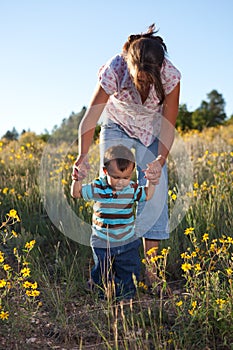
column 229, row 271
column 32, row 293
column 212, row 248
column 6, row 267
column 164, row 251
column 179, row 303
column 4, row 315
column 173, row 196
column 5, row 190
column 34, row 285
column 27, row 284
column 14, row 233
column 152, row 251
column 2, row 283
column 153, row 259
column 205, row 237
column 30, row 245
column 25, row 271
column 13, row 214
column 194, row 304
column 220, row 302
column 188, row 230
column 197, row 267
column 28, row 293
column 35, row 293
column 64, row 182
column 1, row 257
column 187, row 256
column 142, row 285
column 186, row 267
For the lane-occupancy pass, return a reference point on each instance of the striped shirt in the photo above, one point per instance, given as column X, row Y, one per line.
column 113, row 214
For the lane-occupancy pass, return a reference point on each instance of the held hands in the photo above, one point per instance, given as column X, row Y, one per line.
column 153, row 171
column 80, row 168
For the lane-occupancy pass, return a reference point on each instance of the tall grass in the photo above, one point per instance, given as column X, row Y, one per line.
column 193, row 309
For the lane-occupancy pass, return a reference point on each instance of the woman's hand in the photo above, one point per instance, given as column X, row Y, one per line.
column 153, row 171
column 80, row 168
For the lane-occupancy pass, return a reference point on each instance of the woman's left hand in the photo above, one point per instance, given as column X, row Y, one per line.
column 153, row 171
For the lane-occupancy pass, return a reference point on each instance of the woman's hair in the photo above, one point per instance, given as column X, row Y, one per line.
column 145, row 52
column 121, row 154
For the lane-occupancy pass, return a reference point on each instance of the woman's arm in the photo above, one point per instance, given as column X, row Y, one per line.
column 90, row 119
column 88, row 125
column 170, row 112
column 166, row 138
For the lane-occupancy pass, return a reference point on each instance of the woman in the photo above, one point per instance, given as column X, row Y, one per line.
column 138, row 98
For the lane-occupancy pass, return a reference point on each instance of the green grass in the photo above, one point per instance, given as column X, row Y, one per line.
column 194, row 308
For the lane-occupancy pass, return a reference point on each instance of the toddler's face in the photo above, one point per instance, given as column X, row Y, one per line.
column 118, row 179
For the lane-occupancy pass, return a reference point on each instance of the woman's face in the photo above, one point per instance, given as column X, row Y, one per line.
column 141, row 79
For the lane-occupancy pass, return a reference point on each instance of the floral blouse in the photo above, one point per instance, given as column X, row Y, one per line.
column 124, row 107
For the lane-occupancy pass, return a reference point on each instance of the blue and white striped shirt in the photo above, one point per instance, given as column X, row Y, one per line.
column 113, row 214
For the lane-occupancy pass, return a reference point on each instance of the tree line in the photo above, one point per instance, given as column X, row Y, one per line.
column 211, row 113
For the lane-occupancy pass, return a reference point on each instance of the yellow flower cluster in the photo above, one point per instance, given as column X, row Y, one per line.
column 13, row 215
column 221, row 302
column 30, row 245
column 13, row 278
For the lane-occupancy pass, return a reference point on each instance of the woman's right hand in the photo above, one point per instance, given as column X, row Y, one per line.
column 80, row 168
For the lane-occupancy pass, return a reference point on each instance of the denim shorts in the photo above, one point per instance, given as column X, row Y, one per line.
column 152, row 216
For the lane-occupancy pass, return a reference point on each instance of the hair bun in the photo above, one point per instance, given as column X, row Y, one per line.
column 134, row 37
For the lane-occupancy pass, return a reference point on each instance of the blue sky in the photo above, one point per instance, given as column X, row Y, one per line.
column 51, row 51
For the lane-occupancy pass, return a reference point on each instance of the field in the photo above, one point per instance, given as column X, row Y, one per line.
column 45, row 257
